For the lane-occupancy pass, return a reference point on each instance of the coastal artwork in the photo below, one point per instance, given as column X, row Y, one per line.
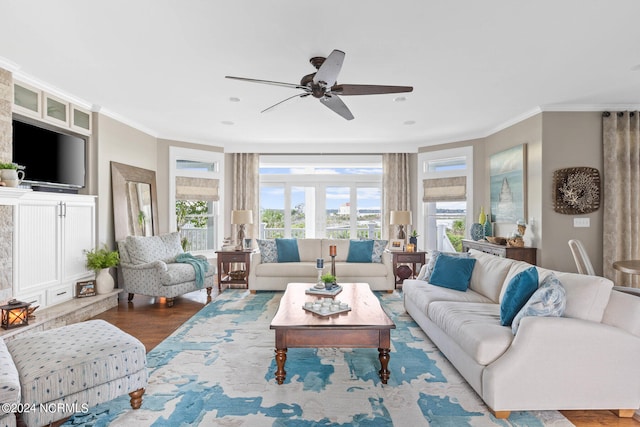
column 508, row 186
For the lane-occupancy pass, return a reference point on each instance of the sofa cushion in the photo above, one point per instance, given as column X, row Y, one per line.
column 549, row 300
column 422, row 294
column 519, row 290
column 310, row 249
column 360, row 251
column 378, row 249
column 355, row 269
column 287, row 250
column 489, row 274
column 179, row 273
column 268, row 250
column 475, row 327
column 145, row 249
column 427, row 269
column 452, row 272
column 286, row 269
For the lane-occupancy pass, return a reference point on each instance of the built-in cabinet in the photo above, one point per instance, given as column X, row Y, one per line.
column 33, row 102
column 51, row 233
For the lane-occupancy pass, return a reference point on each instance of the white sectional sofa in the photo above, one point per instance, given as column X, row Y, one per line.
column 276, row 275
column 586, row 359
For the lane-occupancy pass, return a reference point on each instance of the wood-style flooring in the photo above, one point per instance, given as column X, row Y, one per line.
column 151, row 321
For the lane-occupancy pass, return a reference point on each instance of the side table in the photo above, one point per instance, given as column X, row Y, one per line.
column 403, row 271
column 225, row 259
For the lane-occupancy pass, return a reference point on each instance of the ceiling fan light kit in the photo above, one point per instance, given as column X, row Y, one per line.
column 323, row 85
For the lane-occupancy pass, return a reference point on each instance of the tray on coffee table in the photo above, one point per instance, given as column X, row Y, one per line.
column 328, row 313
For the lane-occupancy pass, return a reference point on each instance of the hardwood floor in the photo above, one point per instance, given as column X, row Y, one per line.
column 151, row 321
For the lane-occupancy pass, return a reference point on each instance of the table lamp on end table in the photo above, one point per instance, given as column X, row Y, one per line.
column 240, row 218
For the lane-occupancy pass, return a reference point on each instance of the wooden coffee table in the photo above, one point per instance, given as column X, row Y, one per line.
column 366, row 325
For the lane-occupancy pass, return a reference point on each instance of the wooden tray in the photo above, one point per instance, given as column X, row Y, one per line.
column 329, row 313
column 327, row 293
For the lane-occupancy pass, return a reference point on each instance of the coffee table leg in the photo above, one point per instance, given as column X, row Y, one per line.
column 383, row 356
column 281, row 357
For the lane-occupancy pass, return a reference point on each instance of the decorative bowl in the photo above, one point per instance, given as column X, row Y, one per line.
column 496, row 240
column 237, row 274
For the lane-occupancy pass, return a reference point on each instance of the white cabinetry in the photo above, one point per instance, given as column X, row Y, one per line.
column 51, row 233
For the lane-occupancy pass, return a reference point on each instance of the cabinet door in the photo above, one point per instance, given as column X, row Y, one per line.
column 80, row 119
column 55, row 110
column 78, row 236
column 27, row 100
column 37, row 246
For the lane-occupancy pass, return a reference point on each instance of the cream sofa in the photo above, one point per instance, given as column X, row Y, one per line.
column 586, row 359
column 276, row 276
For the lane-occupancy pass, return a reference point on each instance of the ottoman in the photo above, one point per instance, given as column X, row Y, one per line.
column 72, row 368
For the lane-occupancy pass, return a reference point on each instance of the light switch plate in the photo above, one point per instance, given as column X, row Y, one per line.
column 581, row 222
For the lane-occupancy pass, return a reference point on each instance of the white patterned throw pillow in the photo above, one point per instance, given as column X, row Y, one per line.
column 549, row 300
column 378, row 249
column 268, row 250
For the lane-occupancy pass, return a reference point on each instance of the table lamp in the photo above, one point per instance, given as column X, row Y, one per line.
column 400, row 218
column 240, row 218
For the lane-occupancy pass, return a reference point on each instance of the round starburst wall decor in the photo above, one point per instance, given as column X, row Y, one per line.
column 577, row 190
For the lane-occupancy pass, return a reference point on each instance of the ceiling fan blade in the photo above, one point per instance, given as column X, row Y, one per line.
column 334, row 103
column 269, row 82
column 368, row 89
column 329, row 70
column 301, row 95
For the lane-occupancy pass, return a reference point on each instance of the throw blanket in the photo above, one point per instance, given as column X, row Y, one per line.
column 201, row 266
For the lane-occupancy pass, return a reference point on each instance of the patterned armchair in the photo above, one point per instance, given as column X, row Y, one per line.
column 149, row 268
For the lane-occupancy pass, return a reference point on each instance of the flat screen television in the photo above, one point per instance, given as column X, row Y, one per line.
column 51, row 159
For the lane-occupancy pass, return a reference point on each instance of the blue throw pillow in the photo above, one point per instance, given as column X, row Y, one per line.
column 427, row 269
column 287, row 250
column 452, row 272
column 519, row 290
column 360, row 251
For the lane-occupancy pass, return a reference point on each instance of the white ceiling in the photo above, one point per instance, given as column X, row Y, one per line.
column 476, row 66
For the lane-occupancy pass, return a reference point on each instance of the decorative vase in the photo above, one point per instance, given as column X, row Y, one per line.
column 477, row 231
column 413, row 240
column 487, row 226
column 11, row 177
column 104, row 281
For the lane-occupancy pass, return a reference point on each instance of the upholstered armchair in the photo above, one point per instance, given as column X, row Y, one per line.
column 149, row 267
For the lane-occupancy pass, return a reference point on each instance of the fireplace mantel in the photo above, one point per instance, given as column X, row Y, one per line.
column 10, row 195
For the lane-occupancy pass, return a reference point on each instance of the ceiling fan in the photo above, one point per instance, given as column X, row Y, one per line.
column 322, row 85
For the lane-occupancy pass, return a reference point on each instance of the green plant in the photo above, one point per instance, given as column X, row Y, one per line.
column 10, row 166
column 414, row 233
column 328, row 278
column 97, row 259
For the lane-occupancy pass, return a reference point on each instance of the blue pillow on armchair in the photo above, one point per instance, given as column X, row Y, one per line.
column 288, row 250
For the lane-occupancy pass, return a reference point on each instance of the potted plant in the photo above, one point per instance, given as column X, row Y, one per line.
column 329, row 280
column 11, row 174
column 101, row 260
column 413, row 238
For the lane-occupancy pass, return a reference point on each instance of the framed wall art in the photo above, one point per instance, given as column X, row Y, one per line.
column 577, row 190
column 508, row 181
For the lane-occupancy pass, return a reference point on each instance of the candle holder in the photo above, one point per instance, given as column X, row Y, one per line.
column 14, row 314
column 319, row 281
column 333, row 265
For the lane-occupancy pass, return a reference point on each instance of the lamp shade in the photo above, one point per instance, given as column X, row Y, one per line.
column 242, row 217
column 400, row 218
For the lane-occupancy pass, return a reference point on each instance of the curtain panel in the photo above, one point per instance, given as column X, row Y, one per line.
column 246, row 189
column 395, row 188
column 621, row 193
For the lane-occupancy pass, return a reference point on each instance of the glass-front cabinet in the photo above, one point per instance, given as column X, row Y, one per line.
column 27, row 100
column 80, row 119
column 56, row 110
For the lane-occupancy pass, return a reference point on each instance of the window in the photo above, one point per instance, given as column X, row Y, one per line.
column 320, row 196
column 195, row 191
column 446, row 180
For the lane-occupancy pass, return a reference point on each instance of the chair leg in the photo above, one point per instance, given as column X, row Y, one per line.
column 136, row 398
column 169, row 302
column 130, row 297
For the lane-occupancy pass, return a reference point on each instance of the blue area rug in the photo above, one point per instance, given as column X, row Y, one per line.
column 218, row 369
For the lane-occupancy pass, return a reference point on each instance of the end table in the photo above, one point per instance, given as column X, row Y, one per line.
column 403, row 271
column 225, row 259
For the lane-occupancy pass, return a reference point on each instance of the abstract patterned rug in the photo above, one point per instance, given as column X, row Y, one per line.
column 218, row 370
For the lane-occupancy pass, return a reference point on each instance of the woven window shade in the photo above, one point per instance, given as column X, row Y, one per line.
column 197, row 189
column 452, row 189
